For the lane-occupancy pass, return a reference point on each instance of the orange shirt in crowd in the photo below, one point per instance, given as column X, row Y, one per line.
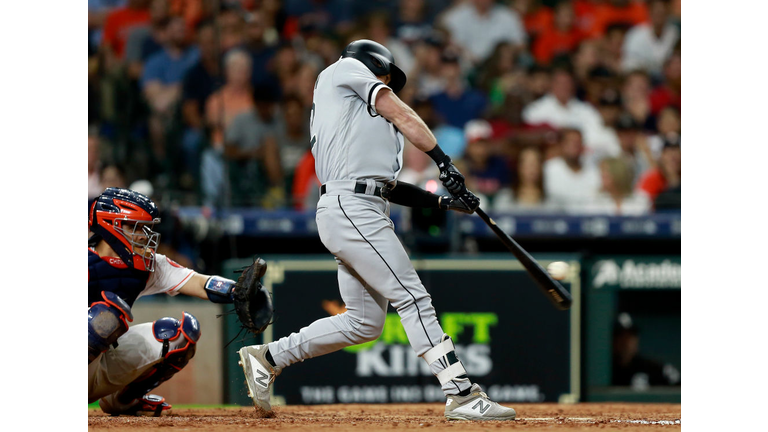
column 653, row 183
column 191, row 10
column 118, row 24
column 304, row 178
column 593, row 19
column 539, row 21
column 223, row 106
column 553, row 42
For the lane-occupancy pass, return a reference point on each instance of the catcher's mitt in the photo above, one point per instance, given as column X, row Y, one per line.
column 253, row 303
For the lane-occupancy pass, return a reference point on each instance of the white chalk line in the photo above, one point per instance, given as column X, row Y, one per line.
column 592, row 420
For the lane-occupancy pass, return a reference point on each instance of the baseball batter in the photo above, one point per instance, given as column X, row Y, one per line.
column 124, row 364
column 357, row 127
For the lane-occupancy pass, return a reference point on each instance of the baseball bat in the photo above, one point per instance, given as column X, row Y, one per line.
column 550, row 287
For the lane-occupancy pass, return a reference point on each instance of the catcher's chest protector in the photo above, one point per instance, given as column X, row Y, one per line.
column 119, row 279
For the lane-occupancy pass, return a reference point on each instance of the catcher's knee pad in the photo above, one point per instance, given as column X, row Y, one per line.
column 445, row 353
column 179, row 339
column 106, row 322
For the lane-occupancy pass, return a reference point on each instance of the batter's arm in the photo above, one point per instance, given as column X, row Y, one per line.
column 410, row 195
column 405, row 119
column 413, row 127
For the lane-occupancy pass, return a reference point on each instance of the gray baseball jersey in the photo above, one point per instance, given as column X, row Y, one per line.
column 350, row 140
column 351, row 144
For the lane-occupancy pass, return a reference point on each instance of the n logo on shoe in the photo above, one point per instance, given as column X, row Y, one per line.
column 262, row 379
column 483, row 408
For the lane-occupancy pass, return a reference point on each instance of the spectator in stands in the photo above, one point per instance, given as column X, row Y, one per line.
column 222, row 106
column 379, row 30
column 570, row 181
column 112, row 176
column 536, row 16
column 667, row 129
column 427, row 70
column 458, row 103
column 231, row 28
column 292, row 135
column 118, row 24
column 586, row 59
column 285, row 64
column 261, row 52
column 325, row 16
column 610, row 48
column 94, row 167
column 635, row 96
column 559, row 39
column 617, row 196
column 478, row 25
column 494, row 76
column 647, row 46
column 235, row 97
column 146, row 40
column 598, row 84
column 634, row 145
column 595, row 17
column 451, row 138
column 605, row 137
column 560, row 109
column 302, row 84
column 539, row 83
column 306, row 186
column 413, row 22
column 528, row 183
column 251, row 148
column 666, row 177
column 487, row 175
column 668, row 93
column 98, row 10
column 161, row 81
column 199, row 83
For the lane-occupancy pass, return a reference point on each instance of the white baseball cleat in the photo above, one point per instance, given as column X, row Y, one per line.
column 476, row 406
column 259, row 374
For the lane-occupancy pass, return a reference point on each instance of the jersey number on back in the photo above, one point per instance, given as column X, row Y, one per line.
column 312, row 121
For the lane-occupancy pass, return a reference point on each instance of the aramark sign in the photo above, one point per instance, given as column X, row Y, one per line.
column 637, row 272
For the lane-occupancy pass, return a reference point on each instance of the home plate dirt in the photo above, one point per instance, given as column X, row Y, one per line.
column 368, row 418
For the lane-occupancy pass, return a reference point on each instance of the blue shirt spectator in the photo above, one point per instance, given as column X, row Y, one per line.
column 459, row 108
column 168, row 68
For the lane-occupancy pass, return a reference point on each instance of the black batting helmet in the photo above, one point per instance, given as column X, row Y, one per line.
column 377, row 58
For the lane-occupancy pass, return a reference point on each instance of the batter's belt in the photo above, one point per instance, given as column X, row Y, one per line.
column 344, row 187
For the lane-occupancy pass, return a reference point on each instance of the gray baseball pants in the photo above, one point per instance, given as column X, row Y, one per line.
column 374, row 270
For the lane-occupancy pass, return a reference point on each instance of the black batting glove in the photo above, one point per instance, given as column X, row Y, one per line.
column 455, row 204
column 451, row 178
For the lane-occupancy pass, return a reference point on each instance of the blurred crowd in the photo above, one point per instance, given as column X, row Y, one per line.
column 545, row 105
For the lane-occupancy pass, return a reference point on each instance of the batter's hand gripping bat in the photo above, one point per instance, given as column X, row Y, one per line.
column 550, row 287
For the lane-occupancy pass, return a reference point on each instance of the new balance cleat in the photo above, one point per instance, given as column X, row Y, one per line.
column 259, row 375
column 476, row 406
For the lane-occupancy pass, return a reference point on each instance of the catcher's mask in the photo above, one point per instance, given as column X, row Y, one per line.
column 125, row 219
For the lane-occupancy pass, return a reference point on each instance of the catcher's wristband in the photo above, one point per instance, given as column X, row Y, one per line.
column 220, row 289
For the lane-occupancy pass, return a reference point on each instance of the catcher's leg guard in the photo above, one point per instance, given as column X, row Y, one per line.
column 179, row 342
column 106, row 323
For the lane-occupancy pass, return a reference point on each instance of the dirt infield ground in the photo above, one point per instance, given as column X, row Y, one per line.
column 368, row 418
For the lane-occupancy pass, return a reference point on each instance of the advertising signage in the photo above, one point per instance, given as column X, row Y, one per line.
column 507, row 334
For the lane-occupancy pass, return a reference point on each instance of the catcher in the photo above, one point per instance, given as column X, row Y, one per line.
column 124, row 364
